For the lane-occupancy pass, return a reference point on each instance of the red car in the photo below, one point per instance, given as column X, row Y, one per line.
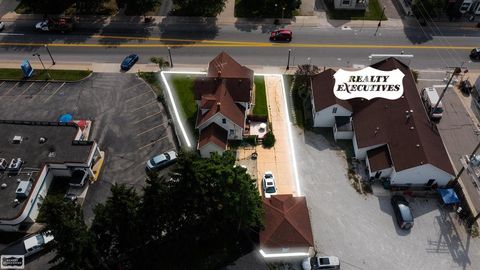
column 281, row 35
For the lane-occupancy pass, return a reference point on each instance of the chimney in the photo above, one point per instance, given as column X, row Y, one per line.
column 407, row 114
column 218, row 105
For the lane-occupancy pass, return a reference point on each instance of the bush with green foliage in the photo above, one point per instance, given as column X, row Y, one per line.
column 204, row 8
column 269, row 140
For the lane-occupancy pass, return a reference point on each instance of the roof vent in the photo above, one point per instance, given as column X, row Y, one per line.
column 3, row 164
column 403, row 96
column 16, row 202
column 407, row 114
column 17, row 139
column 412, row 128
column 42, row 140
column 51, row 154
column 418, row 145
column 3, row 186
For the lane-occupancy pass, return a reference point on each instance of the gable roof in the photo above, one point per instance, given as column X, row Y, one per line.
column 239, row 89
column 286, row 221
column 224, row 66
column 215, row 134
column 224, row 104
column 379, row 158
column 323, row 97
column 412, row 140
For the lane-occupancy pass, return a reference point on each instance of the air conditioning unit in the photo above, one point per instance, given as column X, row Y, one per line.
column 3, row 164
column 23, row 189
column 15, row 164
column 17, row 139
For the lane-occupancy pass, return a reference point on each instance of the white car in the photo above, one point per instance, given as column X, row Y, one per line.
column 321, row 262
column 161, row 161
column 268, row 184
column 2, row 26
column 37, row 242
column 42, row 26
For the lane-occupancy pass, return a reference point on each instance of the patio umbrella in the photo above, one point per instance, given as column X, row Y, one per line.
column 448, row 195
column 65, row 118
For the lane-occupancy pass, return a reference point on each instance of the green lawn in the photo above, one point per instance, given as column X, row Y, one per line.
column 373, row 13
column 260, row 107
column 183, row 87
column 59, row 75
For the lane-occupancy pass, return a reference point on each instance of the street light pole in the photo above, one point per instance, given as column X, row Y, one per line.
column 380, row 21
column 455, row 72
column 170, row 56
column 48, row 50
column 39, row 58
column 288, row 61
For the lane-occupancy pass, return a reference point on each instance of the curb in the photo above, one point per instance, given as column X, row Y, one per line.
column 56, row 81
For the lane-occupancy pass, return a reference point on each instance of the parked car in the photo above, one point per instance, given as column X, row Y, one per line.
column 2, row 25
column 268, row 184
column 281, row 35
column 430, row 98
column 475, row 54
column 129, row 61
column 321, row 262
column 402, row 211
column 162, row 161
column 36, row 243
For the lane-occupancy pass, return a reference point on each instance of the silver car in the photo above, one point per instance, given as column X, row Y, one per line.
column 161, row 161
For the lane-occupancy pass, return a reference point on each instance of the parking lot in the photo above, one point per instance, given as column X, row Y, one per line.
column 362, row 231
column 128, row 122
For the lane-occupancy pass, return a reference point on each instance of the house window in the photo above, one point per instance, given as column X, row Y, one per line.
column 224, row 121
column 232, row 131
column 346, row 2
column 334, row 110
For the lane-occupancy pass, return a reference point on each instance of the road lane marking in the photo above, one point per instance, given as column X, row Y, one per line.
column 24, row 91
column 54, row 93
column 36, row 95
column 150, row 129
column 153, row 142
column 143, row 106
column 9, row 90
column 145, row 118
column 246, row 44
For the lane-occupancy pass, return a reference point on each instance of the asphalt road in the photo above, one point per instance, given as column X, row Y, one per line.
column 433, row 48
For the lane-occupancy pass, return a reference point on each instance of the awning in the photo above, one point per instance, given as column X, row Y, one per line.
column 448, row 195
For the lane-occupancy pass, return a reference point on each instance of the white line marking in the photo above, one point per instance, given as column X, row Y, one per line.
column 442, row 85
column 148, row 144
column 143, row 106
column 9, row 90
column 54, row 93
column 152, row 115
column 45, row 86
column 148, row 92
column 24, row 91
column 150, row 129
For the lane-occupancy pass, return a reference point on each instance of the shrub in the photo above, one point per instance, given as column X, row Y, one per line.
column 269, row 140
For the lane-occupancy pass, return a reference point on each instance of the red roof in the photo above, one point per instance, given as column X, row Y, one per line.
column 224, row 66
column 379, row 158
column 323, row 97
column 215, row 134
column 287, row 223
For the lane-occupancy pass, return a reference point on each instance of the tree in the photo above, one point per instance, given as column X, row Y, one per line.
column 426, row 9
column 141, row 6
column 116, row 227
column 301, row 84
column 205, row 8
column 74, row 245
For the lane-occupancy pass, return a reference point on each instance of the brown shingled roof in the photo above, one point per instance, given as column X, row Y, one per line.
column 379, row 158
column 239, row 89
column 215, row 134
column 287, row 223
column 224, row 66
column 322, row 86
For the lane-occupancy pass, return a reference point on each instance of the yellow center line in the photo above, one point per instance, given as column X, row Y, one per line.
column 241, row 44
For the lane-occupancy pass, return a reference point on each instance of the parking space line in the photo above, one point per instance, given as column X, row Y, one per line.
column 9, row 90
column 2, row 83
column 45, row 86
column 148, row 144
column 143, row 106
column 150, row 129
column 148, row 92
column 24, row 91
column 128, row 88
column 147, row 117
column 56, row 91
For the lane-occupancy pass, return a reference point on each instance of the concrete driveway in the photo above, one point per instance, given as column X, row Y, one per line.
column 361, row 230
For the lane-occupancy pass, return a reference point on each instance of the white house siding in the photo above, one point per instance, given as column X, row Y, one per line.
column 361, row 153
column 420, row 175
column 342, row 4
column 209, row 148
column 229, row 125
column 41, row 196
column 385, row 172
column 326, row 117
column 343, row 135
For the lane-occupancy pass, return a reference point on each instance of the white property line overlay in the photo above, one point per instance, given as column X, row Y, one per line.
column 278, row 255
column 287, row 116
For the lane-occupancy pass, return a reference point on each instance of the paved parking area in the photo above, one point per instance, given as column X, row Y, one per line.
column 128, row 123
column 361, row 230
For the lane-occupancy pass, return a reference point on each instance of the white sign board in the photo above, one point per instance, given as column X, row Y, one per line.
column 368, row 83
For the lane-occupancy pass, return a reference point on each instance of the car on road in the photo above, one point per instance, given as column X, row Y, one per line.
column 321, row 262
column 129, row 61
column 281, row 35
column 475, row 54
column 2, row 25
column 161, row 161
column 268, row 184
column 402, row 211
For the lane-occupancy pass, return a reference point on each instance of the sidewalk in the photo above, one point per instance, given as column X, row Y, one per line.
column 95, row 67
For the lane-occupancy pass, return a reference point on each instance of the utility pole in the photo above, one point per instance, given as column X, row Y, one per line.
column 380, row 21
column 48, row 50
column 170, row 56
column 48, row 74
column 283, row 10
column 288, row 61
column 455, row 180
column 456, row 71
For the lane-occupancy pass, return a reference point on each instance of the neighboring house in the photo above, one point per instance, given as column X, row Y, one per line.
column 34, row 154
column 287, row 227
column 394, row 137
column 224, row 99
column 351, row 4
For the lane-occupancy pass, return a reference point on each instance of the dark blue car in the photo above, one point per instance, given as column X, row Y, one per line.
column 129, row 61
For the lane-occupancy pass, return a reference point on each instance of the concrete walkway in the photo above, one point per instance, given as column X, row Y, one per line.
column 228, row 11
